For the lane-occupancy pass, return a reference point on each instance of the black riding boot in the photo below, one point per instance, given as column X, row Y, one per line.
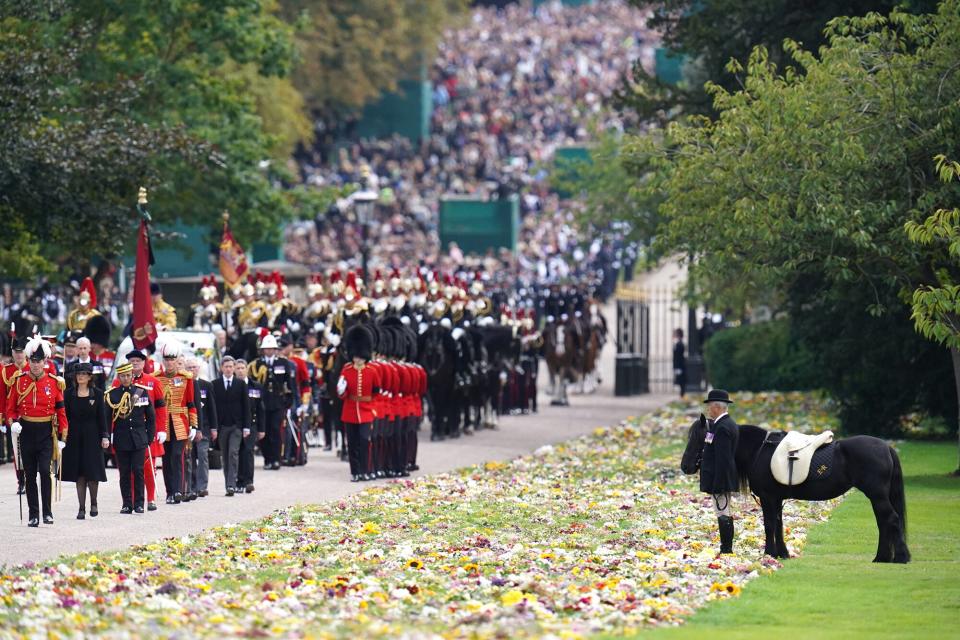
column 726, row 534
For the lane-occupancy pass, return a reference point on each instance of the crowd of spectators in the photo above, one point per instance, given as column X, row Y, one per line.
column 510, row 87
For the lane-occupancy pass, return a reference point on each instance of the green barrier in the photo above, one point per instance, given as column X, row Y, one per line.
column 477, row 225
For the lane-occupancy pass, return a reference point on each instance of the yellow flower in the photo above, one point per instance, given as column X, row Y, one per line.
column 515, row 596
column 728, row 588
column 494, row 465
column 471, row 567
column 415, row 563
column 547, row 555
column 369, row 528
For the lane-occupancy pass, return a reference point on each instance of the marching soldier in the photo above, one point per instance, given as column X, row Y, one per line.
column 182, row 427
column 133, row 428
column 7, row 374
column 357, row 386
column 278, row 379
column 156, row 393
column 209, row 312
column 35, row 399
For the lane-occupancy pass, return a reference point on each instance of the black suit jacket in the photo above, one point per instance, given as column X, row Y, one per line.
column 206, row 407
column 233, row 409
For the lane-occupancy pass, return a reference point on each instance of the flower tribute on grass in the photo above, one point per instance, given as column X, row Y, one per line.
column 600, row 533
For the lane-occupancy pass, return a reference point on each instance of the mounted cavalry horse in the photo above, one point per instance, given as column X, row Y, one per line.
column 562, row 346
column 864, row 462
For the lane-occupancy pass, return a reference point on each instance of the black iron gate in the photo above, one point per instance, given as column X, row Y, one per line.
column 633, row 346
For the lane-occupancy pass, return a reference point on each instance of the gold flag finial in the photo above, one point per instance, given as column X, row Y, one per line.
column 142, row 196
column 226, row 215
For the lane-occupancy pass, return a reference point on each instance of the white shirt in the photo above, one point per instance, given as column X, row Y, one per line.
column 227, row 382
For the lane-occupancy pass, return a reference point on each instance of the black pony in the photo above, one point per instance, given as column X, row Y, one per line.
column 864, row 462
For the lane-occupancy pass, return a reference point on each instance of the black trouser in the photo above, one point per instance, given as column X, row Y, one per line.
column 230, row 438
column 358, row 447
column 326, row 408
column 174, row 478
column 36, row 446
column 130, row 463
column 399, row 449
column 245, row 465
column 270, row 445
column 413, row 423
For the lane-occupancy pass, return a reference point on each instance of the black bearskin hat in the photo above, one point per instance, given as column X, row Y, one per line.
column 97, row 330
column 359, row 343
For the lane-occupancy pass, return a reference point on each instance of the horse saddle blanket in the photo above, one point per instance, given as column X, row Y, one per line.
column 791, row 460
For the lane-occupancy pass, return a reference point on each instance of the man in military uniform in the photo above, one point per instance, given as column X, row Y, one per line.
column 133, row 428
column 278, row 379
column 155, row 451
column 86, row 307
column 357, row 386
column 718, row 469
column 253, row 432
column 39, row 424
column 182, row 427
column 209, row 312
column 163, row 313
column 7, row 374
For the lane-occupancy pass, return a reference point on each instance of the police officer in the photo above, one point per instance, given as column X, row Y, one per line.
column 718, row 471
column 133, row 429
column 278, row 379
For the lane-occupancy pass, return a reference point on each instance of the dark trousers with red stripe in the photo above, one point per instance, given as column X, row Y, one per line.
column 359, row 447
column 173, row 467
column 36, row 447
column 398, row 445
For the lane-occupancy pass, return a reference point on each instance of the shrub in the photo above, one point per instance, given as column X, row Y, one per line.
column 759, row 357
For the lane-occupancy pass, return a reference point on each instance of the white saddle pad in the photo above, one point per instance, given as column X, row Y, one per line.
column 799, row 447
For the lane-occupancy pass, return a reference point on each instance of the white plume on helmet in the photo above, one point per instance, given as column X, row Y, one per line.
column 34, row 343
column 170, row 348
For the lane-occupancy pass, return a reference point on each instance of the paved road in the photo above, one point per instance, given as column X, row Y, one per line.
column 324, row 478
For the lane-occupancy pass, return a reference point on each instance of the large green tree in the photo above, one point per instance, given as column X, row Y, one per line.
column 804, row 180
column 100, row 97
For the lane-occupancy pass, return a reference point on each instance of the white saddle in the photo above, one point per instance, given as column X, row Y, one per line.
column 791, row 459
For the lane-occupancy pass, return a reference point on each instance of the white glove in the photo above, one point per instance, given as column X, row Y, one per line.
column 15, row 428
column 193, row 433
column 301, row 410
column 162, row 437
column 3, row 429
column 246, row 432
column 61, row 444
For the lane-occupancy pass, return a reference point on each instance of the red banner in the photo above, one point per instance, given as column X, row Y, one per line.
column 144, row 330
column 233, row 261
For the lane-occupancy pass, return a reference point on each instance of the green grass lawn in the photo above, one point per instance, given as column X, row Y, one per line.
column 835, row 590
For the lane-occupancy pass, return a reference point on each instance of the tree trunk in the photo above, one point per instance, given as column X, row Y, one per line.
column 955, row 354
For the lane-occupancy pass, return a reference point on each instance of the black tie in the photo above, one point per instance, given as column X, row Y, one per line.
column 228, row 385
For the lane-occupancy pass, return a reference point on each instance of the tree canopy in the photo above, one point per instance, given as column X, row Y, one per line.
column 710, row 33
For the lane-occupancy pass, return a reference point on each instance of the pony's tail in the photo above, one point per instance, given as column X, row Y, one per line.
column 897, row 497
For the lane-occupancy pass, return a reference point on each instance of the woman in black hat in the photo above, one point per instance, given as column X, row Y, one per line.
column 718, row 471
column 83, row 455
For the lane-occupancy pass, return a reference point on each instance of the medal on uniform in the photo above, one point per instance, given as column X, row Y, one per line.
column 709, row 439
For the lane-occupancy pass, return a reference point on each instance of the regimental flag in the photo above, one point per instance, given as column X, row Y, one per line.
column 233, row 261
column 144, row 329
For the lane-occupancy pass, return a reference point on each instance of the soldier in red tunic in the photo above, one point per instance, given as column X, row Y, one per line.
column 39, row 425
column 358, row 385
column 7, row 373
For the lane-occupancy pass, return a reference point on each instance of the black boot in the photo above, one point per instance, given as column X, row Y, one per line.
column 726, row 534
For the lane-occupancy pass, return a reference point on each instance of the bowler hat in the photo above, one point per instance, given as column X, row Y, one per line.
column 136, row 353
column 718, row 395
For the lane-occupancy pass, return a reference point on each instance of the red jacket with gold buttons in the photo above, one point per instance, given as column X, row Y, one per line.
column 356, row 387
column 34, row 399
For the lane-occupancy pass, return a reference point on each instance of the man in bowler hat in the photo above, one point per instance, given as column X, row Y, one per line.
column 718, row 470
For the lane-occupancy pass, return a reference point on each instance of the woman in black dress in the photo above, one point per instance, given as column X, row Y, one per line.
column 87, row 438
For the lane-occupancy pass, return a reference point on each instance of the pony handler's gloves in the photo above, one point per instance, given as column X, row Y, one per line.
column 15, row 428
column 162, row 437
